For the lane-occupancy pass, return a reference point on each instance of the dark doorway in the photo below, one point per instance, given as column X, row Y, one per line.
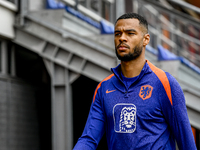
column 83, row 89
column 30, row 68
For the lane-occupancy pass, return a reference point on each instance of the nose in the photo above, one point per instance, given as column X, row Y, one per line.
column 122, row 38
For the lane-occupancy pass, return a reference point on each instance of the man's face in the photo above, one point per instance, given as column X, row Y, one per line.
column 128, row 39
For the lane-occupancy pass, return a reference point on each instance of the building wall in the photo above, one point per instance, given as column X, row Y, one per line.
column 36, row 5
column 7, row 17
column 18, row 116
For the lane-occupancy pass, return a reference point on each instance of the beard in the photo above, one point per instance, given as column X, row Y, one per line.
column 137, row 50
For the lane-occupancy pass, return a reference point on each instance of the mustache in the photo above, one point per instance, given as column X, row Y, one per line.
column 123, row 44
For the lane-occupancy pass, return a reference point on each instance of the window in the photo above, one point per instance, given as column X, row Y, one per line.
column 95, row 5
column 107, row 10
column 103, row 8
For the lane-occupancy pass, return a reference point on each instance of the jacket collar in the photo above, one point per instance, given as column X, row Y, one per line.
column 118, row 82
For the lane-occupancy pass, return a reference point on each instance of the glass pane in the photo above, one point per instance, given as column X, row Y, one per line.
column 95, row 5
column 106, row 10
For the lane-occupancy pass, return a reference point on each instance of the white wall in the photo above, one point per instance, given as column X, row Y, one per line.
column 7, row 17
column 36, row 5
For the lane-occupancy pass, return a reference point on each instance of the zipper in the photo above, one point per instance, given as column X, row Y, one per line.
column 126, row 94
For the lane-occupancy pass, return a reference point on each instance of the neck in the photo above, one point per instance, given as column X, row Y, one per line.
column 132, row 68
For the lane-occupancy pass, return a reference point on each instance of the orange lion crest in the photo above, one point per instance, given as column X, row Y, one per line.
column 145, row 92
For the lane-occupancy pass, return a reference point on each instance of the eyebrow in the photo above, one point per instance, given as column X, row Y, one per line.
column 128, row 30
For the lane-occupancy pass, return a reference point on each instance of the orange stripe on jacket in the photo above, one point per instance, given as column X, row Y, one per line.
column 163, row 78
column 99, row 85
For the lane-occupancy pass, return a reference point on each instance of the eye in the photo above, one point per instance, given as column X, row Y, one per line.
column 117, row 34
column 131, row 33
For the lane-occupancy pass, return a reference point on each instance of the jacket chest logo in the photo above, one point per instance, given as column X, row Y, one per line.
column 124, row 118
column 145, row 92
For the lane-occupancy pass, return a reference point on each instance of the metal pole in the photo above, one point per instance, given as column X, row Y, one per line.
column 4, row 56
column 13, row 61
column 68, row 112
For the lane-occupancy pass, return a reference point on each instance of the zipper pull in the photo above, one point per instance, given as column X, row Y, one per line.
column 126, row 95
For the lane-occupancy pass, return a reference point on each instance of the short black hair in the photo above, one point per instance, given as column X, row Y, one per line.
column 142, row 20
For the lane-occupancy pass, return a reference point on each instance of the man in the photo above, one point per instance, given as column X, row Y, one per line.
column 139, row 106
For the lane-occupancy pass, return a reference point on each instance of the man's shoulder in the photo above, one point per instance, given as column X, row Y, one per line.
column 105, row 80
column 108, row 78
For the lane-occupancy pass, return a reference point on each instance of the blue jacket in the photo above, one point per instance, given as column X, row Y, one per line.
column 149, row 115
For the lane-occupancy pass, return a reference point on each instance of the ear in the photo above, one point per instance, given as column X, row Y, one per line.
column 146, row 39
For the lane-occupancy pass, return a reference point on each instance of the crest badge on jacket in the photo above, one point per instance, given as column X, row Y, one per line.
column 145, row 92
column 124, row 118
